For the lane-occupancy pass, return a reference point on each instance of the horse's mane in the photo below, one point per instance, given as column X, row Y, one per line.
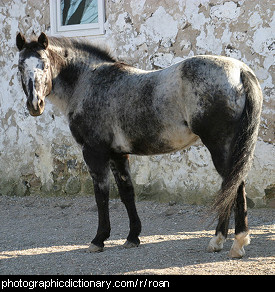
column 84, row 46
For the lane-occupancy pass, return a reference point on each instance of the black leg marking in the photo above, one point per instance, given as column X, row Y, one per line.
column 98, row 164
column 121, row 171
column 241, row 224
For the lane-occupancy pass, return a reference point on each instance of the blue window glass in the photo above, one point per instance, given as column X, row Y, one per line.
column 79, row 12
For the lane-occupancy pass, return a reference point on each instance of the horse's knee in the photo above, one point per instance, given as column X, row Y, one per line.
column 216, row 243
column 237, row 250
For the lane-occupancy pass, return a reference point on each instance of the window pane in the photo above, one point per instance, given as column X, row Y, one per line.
column 79, row 12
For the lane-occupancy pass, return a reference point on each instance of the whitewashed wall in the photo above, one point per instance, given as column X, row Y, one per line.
column 38, row 155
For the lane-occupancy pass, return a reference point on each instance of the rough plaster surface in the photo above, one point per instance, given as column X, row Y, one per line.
column 38, row 155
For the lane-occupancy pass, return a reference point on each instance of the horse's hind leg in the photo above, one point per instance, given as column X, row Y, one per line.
column 241, row 225
column 241, row 228
column 216, row 243
column 221, row 161
column 121, row 171
column 219, row 153
column 98, row 165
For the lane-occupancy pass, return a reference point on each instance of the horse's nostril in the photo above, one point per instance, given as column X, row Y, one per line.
column 40, row 103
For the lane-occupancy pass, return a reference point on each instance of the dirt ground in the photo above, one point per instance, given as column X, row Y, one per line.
column 51, row 235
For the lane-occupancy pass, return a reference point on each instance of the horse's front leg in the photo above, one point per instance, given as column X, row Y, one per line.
column 98, row 165
column 121, row 171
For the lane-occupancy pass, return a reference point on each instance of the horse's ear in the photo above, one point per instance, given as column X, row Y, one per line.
column 20, row 41
column 43, row 40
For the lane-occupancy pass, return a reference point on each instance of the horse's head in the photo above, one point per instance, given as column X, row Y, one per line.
column 34, row 67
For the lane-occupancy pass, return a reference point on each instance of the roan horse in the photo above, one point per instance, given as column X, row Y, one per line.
column 115, row 110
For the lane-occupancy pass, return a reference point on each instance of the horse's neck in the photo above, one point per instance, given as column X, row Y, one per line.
column 66, row 66
column 61, row 58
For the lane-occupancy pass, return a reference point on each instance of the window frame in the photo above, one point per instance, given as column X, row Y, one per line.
column 76, row 30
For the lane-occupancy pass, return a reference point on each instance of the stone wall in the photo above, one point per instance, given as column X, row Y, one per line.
column 39, row 156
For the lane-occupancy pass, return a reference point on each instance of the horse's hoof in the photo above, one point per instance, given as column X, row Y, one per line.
column 216, row 243
column 237, row 250
column 236, row 253
column 95, row 248
column 129, row 244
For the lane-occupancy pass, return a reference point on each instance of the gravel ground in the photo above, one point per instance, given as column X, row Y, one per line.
column 51, row 235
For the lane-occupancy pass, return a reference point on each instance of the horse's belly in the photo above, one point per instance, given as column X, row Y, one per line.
column 169, row 140
column 177, row 138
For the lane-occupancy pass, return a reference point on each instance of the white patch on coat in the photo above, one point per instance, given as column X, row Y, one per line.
column 237, row 250
column 35, row 99
column 59, row 102
column 120, row 142
column 216, row 243
column 33, row 64
column 169, row 97
column 34, row 70
column 179, row 137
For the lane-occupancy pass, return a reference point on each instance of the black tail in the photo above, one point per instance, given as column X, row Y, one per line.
column 243, row 145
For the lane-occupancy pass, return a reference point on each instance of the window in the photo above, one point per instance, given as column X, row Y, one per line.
column 77, row 17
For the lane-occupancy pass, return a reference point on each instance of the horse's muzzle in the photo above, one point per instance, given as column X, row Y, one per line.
column 39, row 110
